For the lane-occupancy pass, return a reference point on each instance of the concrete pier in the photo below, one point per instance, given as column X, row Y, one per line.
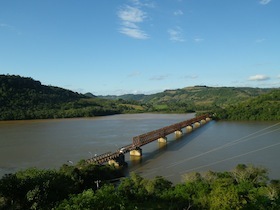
column 114, row 163
column 196, row 125
column 136, row 152
column 178, row 133
column 202, row 122
column 189, row 128
column 162, row 140
column 118, row 162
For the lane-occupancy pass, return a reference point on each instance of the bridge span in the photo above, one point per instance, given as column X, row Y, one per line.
column 117, row 158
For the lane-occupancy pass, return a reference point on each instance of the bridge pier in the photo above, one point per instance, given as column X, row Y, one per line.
column 208, row 119
column 189, row 128
column 114, row 163
column 196, row 125
column 162, row 140
column 178, row 133
column 202, row 122
column 136, row 152
column 118, row 162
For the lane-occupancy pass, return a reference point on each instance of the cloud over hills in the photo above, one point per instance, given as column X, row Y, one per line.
column 258, row 77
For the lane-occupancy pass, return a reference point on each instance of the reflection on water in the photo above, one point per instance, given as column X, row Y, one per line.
column 214, row 146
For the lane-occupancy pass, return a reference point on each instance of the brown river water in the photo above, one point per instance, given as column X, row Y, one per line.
column 217, row 145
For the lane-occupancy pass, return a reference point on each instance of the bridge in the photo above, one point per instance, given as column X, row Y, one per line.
column 117, row 158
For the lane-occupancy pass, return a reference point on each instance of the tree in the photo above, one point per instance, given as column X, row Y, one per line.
column 104, row 198
column 254, row 175
column 224, row 195
column 35, row 189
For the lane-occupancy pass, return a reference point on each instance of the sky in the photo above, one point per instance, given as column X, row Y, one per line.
column 114, row 47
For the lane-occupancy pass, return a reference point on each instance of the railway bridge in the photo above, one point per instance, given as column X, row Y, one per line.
column 117, row 158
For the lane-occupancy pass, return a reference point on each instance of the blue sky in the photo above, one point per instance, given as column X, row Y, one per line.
column 141, row 46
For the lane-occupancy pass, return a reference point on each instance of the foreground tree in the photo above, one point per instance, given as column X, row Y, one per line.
column 245, row 187
column 35, row 189
column 104, row 198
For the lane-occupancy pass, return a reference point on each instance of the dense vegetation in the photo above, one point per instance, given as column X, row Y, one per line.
column 25, row 98
column 43, row 189
column 74, row 187
column 226, row 102
column 263, row 107
column 198, row 98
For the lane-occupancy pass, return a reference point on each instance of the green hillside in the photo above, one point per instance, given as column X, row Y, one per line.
column 197, row 98
column 26, row 98
column 263, row 107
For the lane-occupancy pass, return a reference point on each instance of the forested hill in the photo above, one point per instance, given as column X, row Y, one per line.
column 197, row 98
column 16, row 90
column 263, row 107
column 26, row 98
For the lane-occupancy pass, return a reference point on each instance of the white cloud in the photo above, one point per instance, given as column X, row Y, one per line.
column 278, row 76
column 259, row 77
column 264, row 2
column 159, row 77
column 176, row 34
column 134, row 33
column 130, row 17
column 129, row 24
column 178, row 12
column 131, row 14
column 142, row 3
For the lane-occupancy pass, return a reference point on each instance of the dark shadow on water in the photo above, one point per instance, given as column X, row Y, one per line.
column 188, row 137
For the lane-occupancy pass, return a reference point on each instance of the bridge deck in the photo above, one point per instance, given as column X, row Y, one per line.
column 146, row 138
column 143, row 139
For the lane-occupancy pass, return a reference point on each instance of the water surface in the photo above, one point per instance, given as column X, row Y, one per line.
column 215, row 146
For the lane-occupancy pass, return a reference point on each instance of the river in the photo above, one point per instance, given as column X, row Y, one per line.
column 217, row 145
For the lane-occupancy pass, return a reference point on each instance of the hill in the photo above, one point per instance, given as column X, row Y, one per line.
column 26, row 98
column 197, row 98
column 133, row 97
column 263, row 107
